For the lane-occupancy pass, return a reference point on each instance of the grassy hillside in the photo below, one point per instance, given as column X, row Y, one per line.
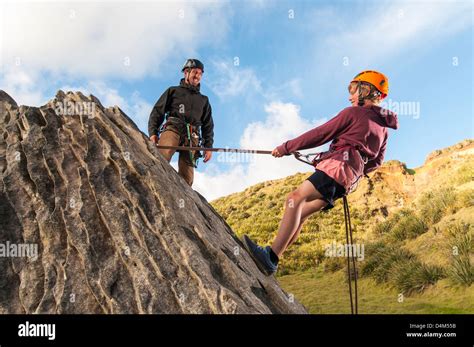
column 416, row 226
column 327, row 293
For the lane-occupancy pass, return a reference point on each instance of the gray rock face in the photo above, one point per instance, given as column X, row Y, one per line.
column 116, row 230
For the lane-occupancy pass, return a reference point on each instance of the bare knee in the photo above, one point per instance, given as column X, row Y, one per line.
column 294, row 198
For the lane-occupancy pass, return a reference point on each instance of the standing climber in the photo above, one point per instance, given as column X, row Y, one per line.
column 182, row 116
column 359, row 139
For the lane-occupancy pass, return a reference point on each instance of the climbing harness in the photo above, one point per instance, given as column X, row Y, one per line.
column 188, row 137
column 307, row 157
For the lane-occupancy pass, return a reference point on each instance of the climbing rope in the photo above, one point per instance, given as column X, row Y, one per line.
column 349, row 242
column 234, row 150
column 297, row 155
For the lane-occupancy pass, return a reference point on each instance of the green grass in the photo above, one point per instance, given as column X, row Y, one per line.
column 327, row 293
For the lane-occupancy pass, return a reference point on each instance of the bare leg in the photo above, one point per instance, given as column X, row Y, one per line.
column 292, row 216
column 309, row 208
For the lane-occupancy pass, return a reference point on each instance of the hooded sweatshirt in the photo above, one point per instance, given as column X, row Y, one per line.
column 359, row 140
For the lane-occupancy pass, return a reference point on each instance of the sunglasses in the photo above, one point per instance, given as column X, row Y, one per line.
column 364, row 88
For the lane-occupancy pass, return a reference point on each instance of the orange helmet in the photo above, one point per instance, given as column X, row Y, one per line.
column 377, row 79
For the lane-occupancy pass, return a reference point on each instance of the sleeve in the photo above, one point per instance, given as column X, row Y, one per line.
column 319, row 135
column 158, row 112
column 207, row 127
column 373, row 164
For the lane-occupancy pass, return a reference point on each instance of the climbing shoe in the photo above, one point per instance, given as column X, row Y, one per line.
column 260, row 255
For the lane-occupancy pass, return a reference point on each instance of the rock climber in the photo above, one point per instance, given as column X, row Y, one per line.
column 359, row 140
column 182, row 116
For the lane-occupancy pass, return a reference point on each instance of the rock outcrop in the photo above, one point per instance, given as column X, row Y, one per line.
column 109, row 225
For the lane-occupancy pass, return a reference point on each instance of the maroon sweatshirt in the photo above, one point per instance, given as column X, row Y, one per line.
column 358, row 134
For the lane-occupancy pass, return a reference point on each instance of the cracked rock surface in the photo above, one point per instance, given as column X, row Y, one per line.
column 116, row 229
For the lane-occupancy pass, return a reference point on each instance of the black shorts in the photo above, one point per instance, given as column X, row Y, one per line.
column 328, row 187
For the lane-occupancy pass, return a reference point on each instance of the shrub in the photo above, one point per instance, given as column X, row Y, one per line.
column 395, row 265
column 465, row 198
column 435, row 204
column 245, row 215
column 461, row 270
column 463, row 174
column 411, row 275
column 384, row 227
column 271, row 204
column 403, row 225
column 382, row 272
column 408, row 226
column 373, row 257
column 379, row 259
column 334, row 264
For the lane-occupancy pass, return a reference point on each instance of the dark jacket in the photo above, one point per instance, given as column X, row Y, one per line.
column 357, row 133
column 187, row 103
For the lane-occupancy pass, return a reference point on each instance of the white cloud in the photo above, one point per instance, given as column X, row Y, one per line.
column 295, row 87
column 227, row 80
column 388, row 30
column 283, row 122
column 134, row 106
column 101, row 39
column 139, row 111
column 290, row 88
column 22, row 86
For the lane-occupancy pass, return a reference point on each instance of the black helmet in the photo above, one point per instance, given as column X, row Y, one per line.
column 193, row 63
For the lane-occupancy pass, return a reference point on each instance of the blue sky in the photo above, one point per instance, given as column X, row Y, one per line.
column 295, row 59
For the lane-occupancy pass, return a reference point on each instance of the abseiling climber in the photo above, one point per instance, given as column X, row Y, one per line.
column 359, row 139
